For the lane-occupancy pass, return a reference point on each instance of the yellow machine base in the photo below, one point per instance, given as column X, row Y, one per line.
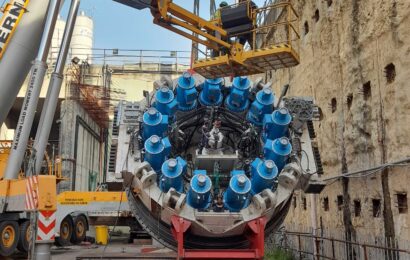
column 248, row 63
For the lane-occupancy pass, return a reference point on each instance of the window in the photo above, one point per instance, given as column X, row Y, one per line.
column 367, row 90
column 357, row 208
column 376, row 207
column 349, row 100
column 329, row 3
column 402, row 203
column 390, row 73
column 294, row 202
column 339, row 202
column 333, row 105
column 326, row 203
column 306, row 28
column 304, row 203
column 316, row 17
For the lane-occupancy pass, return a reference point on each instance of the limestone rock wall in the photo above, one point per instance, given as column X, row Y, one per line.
column 355, row 58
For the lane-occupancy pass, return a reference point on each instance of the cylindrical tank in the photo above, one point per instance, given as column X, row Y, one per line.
column 262, row 105
column 165, row 102
column 236, row 196
column 21, row 51
column 186, row 92
column 199, row 194
column 278, row 150
column 211, row 94
column 156, row 151
column 56, row 40
column 264, row 173
column 237, row 100
column 82, row 41
column 276, row 125
column 172, row 171
column 154, row 123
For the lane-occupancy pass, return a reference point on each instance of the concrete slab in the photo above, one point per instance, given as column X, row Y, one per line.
column 119, row 248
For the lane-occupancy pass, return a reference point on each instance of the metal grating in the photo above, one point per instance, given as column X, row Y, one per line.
column 255, row 62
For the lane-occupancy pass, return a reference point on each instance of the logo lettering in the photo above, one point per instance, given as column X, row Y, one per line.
column 8, row 24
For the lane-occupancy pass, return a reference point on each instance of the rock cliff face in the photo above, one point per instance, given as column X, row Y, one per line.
column 355, row 58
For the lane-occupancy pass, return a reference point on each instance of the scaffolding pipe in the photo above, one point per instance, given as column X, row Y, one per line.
column 28, row 111
column 21, row 50
column 50, row 105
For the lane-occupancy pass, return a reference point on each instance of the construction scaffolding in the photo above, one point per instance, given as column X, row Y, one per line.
column 97, row 100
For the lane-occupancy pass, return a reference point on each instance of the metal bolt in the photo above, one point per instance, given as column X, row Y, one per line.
column 172, row 163
column 284, row 141
column 241, row 180
column 269, row 164
column 154, row 139
column 201, row 180
column 266, row 93
column 152, row 112
column 283, row 110
column 164, row 92
column 187, row 77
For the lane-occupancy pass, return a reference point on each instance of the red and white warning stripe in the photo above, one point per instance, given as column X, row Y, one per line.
column 31, row 193
column 46, row 225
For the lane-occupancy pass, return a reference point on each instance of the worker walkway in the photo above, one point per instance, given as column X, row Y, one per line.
column 253, row 62
column 276, row 22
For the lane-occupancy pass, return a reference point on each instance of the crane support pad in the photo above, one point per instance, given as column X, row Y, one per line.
column 248, row 62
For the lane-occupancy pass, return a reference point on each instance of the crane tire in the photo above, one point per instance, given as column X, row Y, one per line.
column 9, row 237
column 66, row 232
column 80, row 229
column 25, row 236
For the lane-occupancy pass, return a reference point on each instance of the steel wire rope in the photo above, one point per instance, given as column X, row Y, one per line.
column 369, row 171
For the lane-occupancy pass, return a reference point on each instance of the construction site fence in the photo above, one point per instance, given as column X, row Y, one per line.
column 307, row 245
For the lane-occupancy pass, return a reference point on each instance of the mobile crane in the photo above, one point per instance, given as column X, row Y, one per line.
column 31, row 201
column 31, row 213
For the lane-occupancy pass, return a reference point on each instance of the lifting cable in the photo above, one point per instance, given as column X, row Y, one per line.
column 370, row 171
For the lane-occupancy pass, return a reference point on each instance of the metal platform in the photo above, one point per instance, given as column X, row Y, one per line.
column 249, row 62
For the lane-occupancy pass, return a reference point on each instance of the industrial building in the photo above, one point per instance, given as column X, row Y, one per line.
column 280, row 134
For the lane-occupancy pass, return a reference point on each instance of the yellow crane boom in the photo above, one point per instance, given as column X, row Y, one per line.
column 221, row 36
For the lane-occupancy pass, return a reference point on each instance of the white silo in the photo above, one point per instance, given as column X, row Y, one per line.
column 82, row 40
column 56, row 40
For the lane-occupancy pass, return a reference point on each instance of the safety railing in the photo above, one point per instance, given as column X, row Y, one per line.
column 278, row 24
column 151, row 60
column 275, row 23
column 308, row 246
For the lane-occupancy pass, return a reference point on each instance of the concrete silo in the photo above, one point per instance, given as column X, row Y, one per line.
column 82, row 41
